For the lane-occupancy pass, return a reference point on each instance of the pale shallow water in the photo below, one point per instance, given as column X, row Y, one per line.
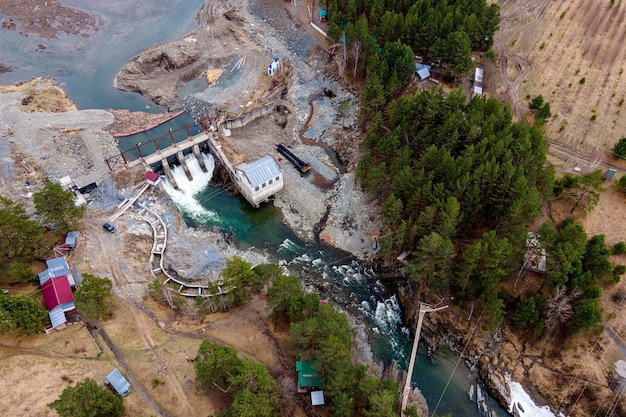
column 86, row 67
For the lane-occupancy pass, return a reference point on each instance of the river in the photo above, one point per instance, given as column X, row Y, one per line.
column 86, row 72
column 209, row 206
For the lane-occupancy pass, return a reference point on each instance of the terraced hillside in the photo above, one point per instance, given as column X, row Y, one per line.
column 573, row 52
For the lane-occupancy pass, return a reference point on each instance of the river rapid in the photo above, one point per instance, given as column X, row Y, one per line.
column 444, row 380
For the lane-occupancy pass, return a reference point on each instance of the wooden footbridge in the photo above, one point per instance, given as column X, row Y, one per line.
column 159, row 271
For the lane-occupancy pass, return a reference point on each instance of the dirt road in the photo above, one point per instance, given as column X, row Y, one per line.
column 135, row 385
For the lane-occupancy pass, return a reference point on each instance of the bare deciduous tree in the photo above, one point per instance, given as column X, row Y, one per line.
column 560, row 307
column 357, row 48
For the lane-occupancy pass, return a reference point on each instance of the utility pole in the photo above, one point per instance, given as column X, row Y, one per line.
column 424, row 308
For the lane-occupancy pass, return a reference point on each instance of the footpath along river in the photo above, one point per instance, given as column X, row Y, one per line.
column 86, row 72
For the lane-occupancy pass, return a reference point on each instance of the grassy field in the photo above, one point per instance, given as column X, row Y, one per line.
column 573, row 53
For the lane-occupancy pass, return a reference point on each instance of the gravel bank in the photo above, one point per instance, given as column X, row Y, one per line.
column 71, row 143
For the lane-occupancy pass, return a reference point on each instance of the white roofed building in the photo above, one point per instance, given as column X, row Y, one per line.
column 259, row 180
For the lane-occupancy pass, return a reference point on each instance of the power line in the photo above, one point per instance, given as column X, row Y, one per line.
column 578, row 376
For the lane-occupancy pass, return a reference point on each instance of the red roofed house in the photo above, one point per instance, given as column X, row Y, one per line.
column 59, row 299
column 152, row 178
column 56, row 291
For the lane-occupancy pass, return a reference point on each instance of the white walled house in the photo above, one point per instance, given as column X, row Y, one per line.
column 259, row 180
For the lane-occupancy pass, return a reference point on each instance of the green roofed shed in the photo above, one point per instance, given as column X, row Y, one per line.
column 309, row 375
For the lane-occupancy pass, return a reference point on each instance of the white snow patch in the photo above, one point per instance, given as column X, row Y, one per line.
column 524, row 403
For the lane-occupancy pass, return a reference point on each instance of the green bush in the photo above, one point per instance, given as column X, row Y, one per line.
column 88, row 399
column 540, row 107
column 619, row 248
column 619, row 150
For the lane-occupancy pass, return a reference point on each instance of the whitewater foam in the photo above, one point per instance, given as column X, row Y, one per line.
column 184, row 196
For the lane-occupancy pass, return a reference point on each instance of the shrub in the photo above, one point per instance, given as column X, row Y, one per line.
column 540, row 107
column 619, row 248
column 619, row 150
column 582, row 80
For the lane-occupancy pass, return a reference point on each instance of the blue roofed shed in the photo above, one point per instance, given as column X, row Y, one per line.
column 609, row 174
column 422, row 71
column 70, row 239
column 57, row 317
column 57, row 267
column 118, row 382
column 323, row 14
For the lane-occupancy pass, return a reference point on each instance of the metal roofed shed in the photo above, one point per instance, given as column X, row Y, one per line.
column 116, row 380
column 57, row 317
column 261, row 170
column 309, row 375
column 317, row 398
column 478, row 90
column 152, row 178
column 422, row 71
column 70, row 239
column 478, row 77
column 58, row 267
column 259, row 180
column 609, row 174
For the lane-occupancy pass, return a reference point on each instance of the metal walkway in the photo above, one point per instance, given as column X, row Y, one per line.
column 126, row 204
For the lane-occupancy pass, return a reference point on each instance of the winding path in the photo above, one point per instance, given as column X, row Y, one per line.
column 513, row 68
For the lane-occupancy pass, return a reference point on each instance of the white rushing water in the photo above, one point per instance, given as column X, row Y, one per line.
column 387, row 319
column 184, row 196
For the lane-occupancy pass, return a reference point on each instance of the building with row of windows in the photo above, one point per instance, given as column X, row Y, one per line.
column 259, row 180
